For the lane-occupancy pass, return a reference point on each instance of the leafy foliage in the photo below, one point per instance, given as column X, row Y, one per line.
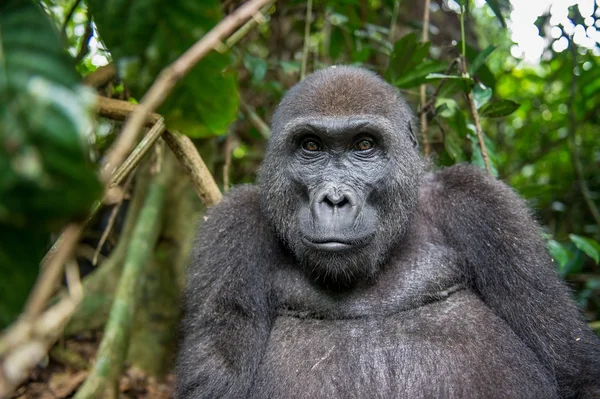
column 144, row 36
column 47, row 178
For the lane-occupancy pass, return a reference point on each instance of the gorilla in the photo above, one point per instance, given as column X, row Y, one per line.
column 353, row 270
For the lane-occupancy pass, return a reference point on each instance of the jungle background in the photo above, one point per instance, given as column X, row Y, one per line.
column 103, row 179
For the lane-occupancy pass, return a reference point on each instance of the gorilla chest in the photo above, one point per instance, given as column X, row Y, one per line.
column 439, row 350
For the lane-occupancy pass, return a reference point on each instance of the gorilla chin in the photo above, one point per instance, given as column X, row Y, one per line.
column 338, row 262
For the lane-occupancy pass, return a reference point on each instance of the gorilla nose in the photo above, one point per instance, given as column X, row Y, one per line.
column 335, row 208
column 336, row 199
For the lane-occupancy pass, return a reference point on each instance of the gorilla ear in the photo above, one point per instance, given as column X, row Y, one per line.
column 413, row 137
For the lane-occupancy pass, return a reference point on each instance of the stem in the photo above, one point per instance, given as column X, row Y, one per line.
column 227, row 164
column 306, row 35
column 138, row 153
column 470, row 97
column 424, row 123
column 112, row 352
column 462, row 36
column 51, row 270
column 394, row 20
column 256, row 120
column 477, row 121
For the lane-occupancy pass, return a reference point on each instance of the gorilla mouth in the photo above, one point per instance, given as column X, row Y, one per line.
column 333, row 245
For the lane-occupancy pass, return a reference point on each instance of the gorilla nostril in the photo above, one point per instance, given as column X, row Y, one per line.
column 336, row 201
column 343, row 202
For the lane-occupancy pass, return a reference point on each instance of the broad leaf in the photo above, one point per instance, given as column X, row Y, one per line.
column 408, row 53
column 46, row 176
column 480, row 60
column 418, row 75
column 588, row 246
column 481, row 95
column 559, row 253
column 144, row 36
column 497, row 7
column 499, row 109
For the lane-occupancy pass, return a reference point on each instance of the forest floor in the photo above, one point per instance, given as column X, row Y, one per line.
column 66, row 369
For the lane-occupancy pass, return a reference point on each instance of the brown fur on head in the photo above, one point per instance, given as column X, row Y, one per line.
column 340, row 91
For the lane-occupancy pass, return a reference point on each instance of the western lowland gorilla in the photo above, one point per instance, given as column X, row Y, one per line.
column 353, row 271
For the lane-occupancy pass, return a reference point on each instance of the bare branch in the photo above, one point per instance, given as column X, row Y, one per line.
column 192, row 162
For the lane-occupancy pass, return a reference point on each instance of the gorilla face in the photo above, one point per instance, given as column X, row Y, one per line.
column 340, row 163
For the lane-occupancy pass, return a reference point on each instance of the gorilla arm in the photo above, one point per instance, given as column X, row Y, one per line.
column 227, row 315
column 509, row 266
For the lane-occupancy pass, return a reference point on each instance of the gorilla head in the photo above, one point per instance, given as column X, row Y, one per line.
column 341, row 173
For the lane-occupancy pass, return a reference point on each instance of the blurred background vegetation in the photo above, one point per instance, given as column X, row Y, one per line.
column 527, row 72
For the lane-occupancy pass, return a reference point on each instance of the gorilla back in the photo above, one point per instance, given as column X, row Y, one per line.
column 351, row 271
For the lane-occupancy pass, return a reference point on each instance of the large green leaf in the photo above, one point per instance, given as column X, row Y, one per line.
column 144, row 36
column 499, row 109
column 586, row 245
column 46, row 177
column 498, row 6
column 408, row 53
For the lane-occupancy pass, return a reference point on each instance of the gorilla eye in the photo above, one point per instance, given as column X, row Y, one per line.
column 311, row 145
column 364, row 145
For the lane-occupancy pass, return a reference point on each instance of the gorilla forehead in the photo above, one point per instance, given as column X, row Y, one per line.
column 341, row 91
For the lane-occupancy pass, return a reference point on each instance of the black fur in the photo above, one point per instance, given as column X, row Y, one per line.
column 443, row 287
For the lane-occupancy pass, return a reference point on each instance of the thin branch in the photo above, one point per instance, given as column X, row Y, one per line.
column 69, row 16
column 100, row 76
column 227, row 164
column 85, row 43
column 256, row 120
column 479, row 131
column 424, row 122
column 138, row 153
column 257, row 19
column 111, row 221
column 51, row 270
column 188, row 157
column 430, row 103
column 120, row 110
column 394, row 20
column 306, row 38
column 169, row 77
column 575, row 157
column 470, row 97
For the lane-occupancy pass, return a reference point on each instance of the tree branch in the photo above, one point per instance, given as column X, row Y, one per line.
column 306, row 38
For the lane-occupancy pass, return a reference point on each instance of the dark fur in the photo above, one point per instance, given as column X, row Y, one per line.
column 453, row 296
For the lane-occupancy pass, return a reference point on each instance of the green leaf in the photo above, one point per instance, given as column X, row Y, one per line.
column 497, row 7
column 480, row 59
column 588, row 246
column 419, row 74
column 456, row 83
column 46, row 178
column 499, row 109
column 144, row 36
column 481, row 95
column 559, row 253
column 407, row 54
